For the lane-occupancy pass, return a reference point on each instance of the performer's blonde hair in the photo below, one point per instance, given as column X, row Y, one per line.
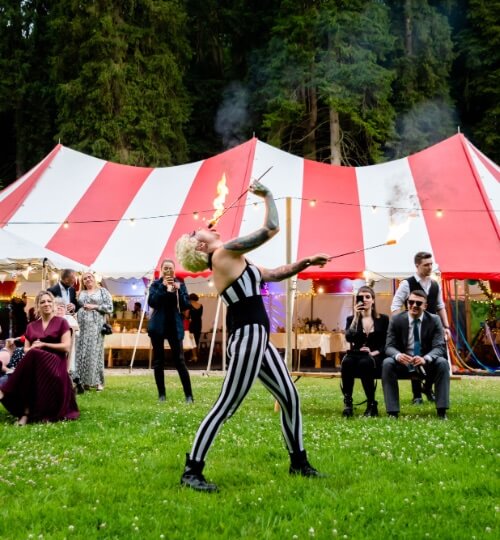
column 187, row 254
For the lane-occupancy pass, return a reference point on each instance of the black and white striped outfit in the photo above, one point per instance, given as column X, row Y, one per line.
column 250, row 356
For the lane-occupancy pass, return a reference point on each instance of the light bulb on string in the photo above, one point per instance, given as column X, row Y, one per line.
column 131, row 222
column 195, row 215
column 439, row 213
column 312, row 203
column 65, row 225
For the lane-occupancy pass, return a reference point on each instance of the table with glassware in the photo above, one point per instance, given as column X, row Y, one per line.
column 321, row 343
column 127, row 341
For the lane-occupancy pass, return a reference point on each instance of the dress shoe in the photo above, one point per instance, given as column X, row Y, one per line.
column 418, row 401
column 442, row 414
column 99, row 388
column 394, row 415
column 162, row 398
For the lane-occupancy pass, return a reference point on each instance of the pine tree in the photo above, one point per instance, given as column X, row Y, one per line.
column 422, row 57
column 478, row 75
column 323, row 81
column 119, row 68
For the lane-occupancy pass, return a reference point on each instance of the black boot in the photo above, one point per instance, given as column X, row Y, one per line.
column 348, row 411
column 371, row 409
column 300, row 466
column 192, row 476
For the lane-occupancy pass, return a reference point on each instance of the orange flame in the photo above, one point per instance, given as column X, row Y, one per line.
column 222, row 191
column 399, row 226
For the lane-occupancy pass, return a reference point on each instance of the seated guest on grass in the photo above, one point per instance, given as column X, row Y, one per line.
column 40, row 389
column 366, row 331
column 251, row 355
column 415, row 348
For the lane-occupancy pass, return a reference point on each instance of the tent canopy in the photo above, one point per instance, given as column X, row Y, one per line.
column 121, row 221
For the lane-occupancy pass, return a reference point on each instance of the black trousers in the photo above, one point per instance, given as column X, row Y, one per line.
column 362, row 366
column 178, row 357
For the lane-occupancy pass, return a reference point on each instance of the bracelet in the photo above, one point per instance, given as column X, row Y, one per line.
column 446, row 327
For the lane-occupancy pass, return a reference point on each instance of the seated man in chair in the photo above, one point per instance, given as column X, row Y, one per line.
column 415, row 347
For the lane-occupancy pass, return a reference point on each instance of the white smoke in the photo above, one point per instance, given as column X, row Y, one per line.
column 232, row 118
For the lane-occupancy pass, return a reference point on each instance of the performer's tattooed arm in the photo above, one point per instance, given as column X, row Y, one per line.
column 289, row 270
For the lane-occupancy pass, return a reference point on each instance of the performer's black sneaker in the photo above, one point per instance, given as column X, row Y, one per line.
column 301, row 467
column 193, row 478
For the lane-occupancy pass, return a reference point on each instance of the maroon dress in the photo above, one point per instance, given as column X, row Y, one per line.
column 41, row 381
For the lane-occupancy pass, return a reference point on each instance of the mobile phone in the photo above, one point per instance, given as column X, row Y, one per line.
column 359, row 298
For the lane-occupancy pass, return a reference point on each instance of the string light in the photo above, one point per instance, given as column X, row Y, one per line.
column 132, row 222
column 413, row 212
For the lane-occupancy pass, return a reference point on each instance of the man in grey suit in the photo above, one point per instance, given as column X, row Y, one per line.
column 415, row 347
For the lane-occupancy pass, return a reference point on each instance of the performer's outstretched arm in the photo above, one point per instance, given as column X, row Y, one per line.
column 289, row 270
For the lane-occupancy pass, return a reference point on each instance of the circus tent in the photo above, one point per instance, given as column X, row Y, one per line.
column 121, row 221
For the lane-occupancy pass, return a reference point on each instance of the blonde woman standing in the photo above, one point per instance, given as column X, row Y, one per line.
column 95, row 303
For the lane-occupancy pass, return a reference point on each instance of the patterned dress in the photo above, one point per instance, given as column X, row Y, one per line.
column 40, row 381
column 89, row 356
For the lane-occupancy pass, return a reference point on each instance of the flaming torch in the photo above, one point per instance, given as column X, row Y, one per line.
column 220, row 210
column 222, row 191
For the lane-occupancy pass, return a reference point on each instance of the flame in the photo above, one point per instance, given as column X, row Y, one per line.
column 222, row 191
column 397, row 231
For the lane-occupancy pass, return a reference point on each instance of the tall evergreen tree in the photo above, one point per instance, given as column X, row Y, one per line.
column 422, row 57
column 323, row 81
column 477, row 74
column 119, row 69
column 26, row 94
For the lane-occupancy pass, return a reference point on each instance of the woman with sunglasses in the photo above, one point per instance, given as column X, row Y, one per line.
column 250, row 353
column 366, row 331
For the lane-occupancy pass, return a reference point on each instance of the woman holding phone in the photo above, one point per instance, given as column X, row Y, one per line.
column 169, row 299
column 366, row 331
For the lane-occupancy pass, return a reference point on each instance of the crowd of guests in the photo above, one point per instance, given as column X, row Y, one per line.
column 411, row 345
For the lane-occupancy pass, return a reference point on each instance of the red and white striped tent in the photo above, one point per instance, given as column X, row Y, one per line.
column 121, row 221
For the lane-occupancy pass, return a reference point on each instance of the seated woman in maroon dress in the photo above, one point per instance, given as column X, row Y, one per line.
column 40, row 389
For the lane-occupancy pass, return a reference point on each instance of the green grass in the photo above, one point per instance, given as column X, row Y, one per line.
column 115, row 472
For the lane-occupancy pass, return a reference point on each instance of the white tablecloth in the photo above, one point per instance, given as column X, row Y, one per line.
column 126, row 340
column 326, row 343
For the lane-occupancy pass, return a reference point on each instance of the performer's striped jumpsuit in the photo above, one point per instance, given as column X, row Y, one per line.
column 250, row 355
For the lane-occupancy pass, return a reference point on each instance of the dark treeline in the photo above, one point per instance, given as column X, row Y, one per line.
column 158, row 83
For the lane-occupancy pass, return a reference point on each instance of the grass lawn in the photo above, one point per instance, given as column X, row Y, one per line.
column 115, row 472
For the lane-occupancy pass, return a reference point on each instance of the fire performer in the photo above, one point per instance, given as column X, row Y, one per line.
column 250, row 353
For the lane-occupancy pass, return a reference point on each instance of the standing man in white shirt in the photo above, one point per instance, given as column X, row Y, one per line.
column 65, row 290
column 422, row 280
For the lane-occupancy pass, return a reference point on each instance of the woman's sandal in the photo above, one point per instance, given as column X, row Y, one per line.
column 22, row 421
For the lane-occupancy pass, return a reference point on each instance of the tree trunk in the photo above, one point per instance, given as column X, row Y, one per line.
column 408, row 28
column 310, row 139
column 335, row 153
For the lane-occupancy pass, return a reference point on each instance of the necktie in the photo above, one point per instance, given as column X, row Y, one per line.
column 416, row 338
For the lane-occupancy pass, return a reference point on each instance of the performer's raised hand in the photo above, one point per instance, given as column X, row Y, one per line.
column 259, row 189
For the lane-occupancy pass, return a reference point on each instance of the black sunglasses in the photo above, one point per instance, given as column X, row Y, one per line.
column 417, row 303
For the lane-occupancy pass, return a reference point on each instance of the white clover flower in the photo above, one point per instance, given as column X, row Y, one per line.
column 311, row 531
column 71, row 527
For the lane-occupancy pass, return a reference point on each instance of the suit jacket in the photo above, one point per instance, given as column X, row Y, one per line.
column 56, row 291
column 431, row 336
column 168, row 308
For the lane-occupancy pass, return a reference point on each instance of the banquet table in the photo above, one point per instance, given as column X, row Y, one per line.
column 126, row 341
column 322, row 344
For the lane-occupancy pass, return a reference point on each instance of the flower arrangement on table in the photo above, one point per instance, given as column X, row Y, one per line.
column 310, row 326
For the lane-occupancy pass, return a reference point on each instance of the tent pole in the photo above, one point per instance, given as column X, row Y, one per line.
column 289, row 286
column 224, row 338
column 467, row 311
column 212, row 344
column 146, row 296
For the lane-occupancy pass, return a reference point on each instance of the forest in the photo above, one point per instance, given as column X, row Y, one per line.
column 165, row 82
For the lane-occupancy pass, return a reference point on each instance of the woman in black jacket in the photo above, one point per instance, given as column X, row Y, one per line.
column 366, row 331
